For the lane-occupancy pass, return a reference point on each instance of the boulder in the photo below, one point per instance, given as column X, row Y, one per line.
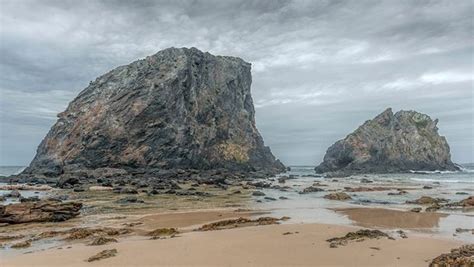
column 30, row 199
column 338, row 196
column 417, row 209
column 468, row 202
column 22, row 244
column 13, row 194
column 102, row 240
column 41, row 211
column 67, row 181
column 129, row 199
column 311, row 189
column 425, row 200
column 258, row 193
column 357, row 236
column 104, row 254
column 128, row 190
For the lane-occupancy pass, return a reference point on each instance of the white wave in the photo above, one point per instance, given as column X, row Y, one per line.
column 433, row 172
column 11, row 170
column 468, row 181
column 20, row 170
column 465, row 169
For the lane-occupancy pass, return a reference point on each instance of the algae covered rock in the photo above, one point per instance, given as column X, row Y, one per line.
column 40, row 211
column 400, row 142
column 338, row 196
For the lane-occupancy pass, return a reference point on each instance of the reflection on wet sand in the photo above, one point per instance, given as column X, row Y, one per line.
column 385, row 218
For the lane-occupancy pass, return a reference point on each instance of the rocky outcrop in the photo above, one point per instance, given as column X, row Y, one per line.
column 41, row 211
column 240, row 222
column 104, row 254
column 400, row 142
column 357, row 236
column 462, row 256
column 338, row 196
column 177, row 109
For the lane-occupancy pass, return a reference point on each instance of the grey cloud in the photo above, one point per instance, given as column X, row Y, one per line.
column 320, row 68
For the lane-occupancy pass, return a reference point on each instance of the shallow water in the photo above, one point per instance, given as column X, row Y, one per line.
column 314, row 208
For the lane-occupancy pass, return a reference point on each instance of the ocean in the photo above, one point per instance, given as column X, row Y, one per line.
column 10, row 170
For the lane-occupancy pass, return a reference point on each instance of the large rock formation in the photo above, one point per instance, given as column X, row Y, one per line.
column 400, row 142
column 42, row 211
column 177, row 109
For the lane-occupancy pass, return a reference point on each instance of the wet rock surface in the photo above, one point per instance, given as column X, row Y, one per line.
column 82, row 233
column 357, row 236
column 130, row 199
column 240, row 222
column 163, row 233
column 400, row 142
column 311, row 189
column 338, row 196
column 39, row 211
column 426, row 200
column 22, row 244
column 462, row 256
column 99, row 241
column 104, row 254
column 468, row 202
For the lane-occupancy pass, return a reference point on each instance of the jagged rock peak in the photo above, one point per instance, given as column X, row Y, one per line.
column 400, row 142
column 179, row 108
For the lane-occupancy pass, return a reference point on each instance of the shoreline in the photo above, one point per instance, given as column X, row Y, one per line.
column 375, row 203
column 267, row 245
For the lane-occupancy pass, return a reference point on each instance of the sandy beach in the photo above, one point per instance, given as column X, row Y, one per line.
column 402, row 237
column 286, row 244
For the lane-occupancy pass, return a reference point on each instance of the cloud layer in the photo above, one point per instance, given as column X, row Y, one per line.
column 320, row 68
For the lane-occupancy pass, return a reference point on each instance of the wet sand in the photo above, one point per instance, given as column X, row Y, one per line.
column 386, row 218
column 249, row 246
column 186, row 220
column 305, row 244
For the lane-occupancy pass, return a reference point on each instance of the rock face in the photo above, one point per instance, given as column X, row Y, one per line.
column 177, row 109
column 400, row 142
column 42, row 211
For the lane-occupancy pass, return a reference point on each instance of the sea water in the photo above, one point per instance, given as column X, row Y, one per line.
column 11, row 170
column 312, row 207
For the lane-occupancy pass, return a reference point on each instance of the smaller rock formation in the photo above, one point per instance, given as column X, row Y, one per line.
column 425, row 200
column 103, row 255
column 400, row 142
column 22, row 244
column 468, row 202
column 311, row 189
column 240, row 222
column 101, row 240
column 338, row 196
column 357, row 236
column 162, row 233
column 41, row 211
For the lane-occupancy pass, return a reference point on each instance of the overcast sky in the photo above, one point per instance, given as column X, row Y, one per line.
column 320, row 68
